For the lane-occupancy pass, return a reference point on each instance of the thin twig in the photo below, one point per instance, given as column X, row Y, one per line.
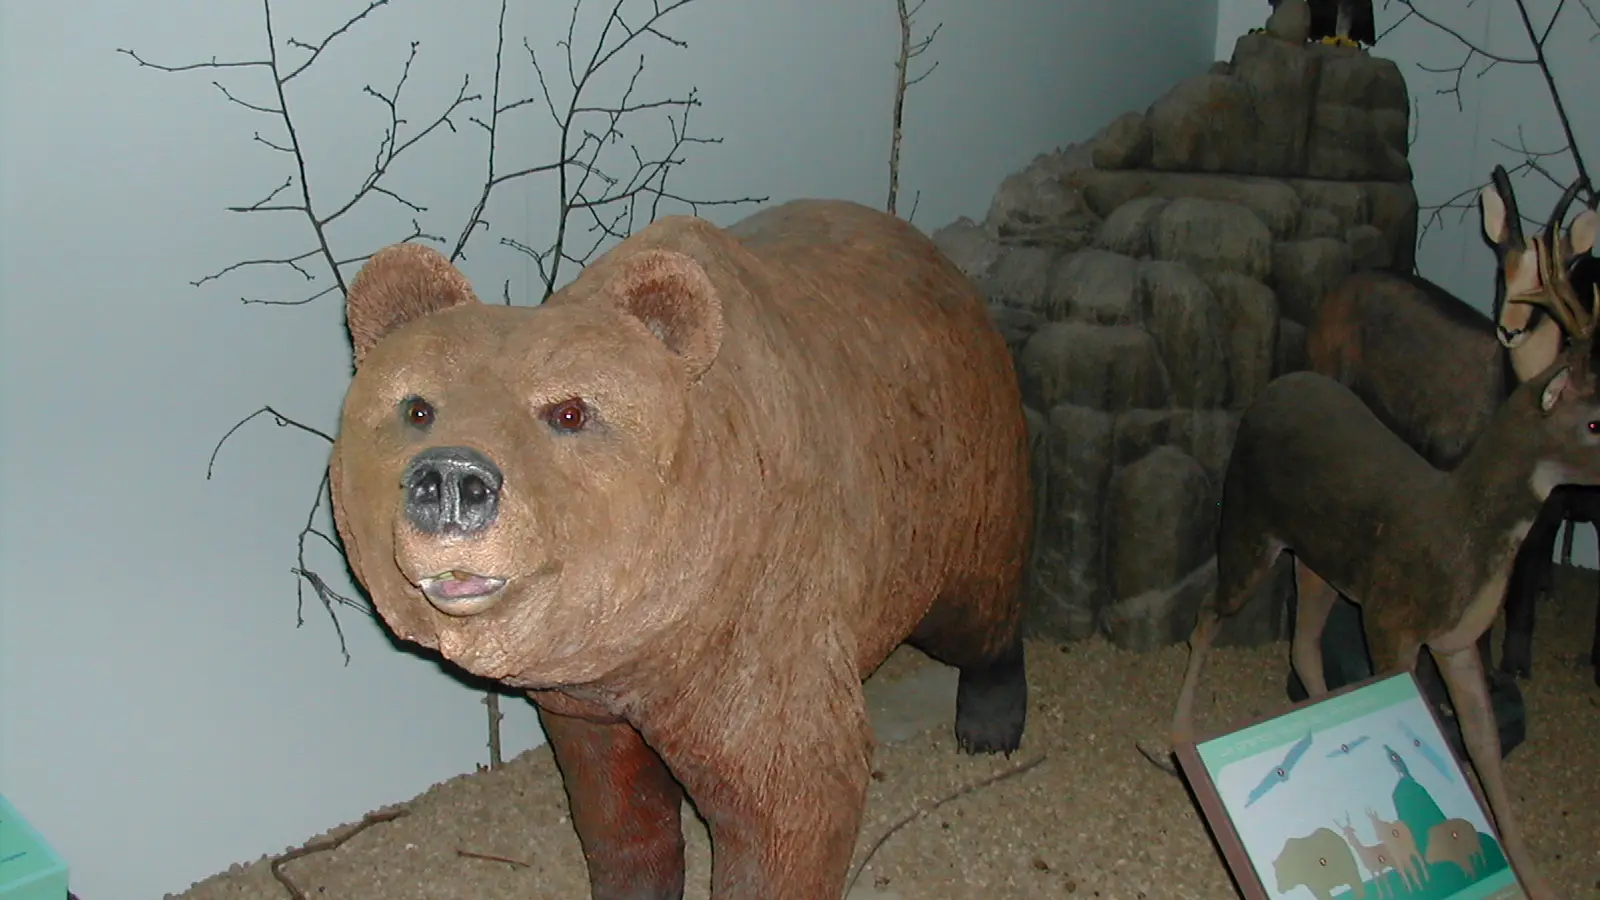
column 305, row 576
column 390, row 148
column 490, row 857
column 491, row 700
column 1550, row 82
column 609, row 204
column 909, row 50
column 278, row 418
column 916, row 814
column 321, row 845
column 1532, row 160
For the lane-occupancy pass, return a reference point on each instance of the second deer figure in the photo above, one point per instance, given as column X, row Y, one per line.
column 1425, row 552
column 1434, row 369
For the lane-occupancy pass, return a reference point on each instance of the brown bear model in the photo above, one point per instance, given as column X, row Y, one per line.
column 688, row 503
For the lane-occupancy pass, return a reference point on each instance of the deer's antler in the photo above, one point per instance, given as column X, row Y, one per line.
column 1555, row 292
column 1562, row 244
column 1502, row 186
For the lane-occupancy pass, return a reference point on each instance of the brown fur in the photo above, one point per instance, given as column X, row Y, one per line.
column 1426, row 364
column 1430, row 366
column 408, row 283
column 1434, row 370
column 1425, row 552
column 806, row 444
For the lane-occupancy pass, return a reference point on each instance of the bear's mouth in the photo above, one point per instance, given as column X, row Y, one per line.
column 458, row 593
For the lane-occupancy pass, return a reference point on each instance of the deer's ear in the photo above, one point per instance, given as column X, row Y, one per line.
column 1582, row 232
column 1493, row 205
column 1554, row 387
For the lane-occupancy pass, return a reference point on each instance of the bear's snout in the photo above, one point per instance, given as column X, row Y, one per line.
column 451, row 491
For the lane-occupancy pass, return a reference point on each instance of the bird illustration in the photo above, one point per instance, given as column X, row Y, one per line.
column 1280, row 772
column 1398, row 763
column 1428, row 751
column 1344, row 749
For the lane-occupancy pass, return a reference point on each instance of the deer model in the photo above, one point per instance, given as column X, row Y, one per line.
column 1570, row 504
column 1374, row 858
column 1400, row 845
column 1426, row 553
column 1434, row 370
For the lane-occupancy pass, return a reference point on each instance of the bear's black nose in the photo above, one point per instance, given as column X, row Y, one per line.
column 451, row 490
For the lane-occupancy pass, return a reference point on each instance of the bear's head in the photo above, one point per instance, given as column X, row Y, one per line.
column 502, row 473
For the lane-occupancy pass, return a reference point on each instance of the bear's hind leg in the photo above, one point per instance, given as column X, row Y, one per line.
column 977, row 629
column 626, row 808
column 992, row 704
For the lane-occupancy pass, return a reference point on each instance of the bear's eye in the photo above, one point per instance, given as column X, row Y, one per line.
column 568, row 415
column 417, row 412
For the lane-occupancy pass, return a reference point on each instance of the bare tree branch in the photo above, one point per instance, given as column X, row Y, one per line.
column 909, row 50
column 1589, row 11
column 321, row 845
column 1555, row 93
column 1534, row 161
column 317, row 48
column 928, row 808
column 390, row 147
column 213, row 63
column 610, row 204
column 305, row 576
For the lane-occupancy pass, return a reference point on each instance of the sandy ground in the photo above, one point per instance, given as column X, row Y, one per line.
column 1092, row 819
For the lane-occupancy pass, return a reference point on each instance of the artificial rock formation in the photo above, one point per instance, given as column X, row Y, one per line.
column 1150, row 282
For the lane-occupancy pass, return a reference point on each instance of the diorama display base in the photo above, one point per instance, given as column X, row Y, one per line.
column 1094, row 819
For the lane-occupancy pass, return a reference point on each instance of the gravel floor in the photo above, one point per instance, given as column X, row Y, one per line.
column 1093, row 819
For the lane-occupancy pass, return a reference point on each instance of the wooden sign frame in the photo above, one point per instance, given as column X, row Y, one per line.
column 1290, row 797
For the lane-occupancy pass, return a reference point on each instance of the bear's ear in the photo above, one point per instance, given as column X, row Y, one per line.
column 400, row 283
column 674, row 297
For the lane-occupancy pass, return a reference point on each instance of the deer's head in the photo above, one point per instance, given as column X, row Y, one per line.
column 1567, row 443
column 1532, row 337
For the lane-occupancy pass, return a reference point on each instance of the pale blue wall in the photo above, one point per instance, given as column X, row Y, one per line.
column 160, row 715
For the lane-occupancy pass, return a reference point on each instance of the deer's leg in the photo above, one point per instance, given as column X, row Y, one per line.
column 1530, row 572
column 625, row 808
column 1314, row 599
column 1593, row 515
column 1243, row 559
column 1200, row 640
column 1469, row 692
column 1594, row 652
